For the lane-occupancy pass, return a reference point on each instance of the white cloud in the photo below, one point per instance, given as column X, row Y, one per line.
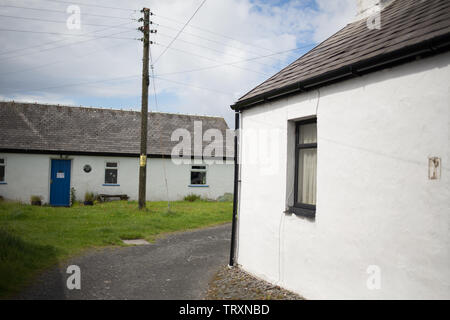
column 260, row 27
column 42, row 98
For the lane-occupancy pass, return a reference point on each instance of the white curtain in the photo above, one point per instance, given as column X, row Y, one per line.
column 308, row 133
column 307, row 176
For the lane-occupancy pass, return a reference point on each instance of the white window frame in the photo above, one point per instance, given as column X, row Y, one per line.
column 104, row 172
column 193, row 169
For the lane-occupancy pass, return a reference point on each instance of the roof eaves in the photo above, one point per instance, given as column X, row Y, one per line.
column 103, row 154
column 428, row 47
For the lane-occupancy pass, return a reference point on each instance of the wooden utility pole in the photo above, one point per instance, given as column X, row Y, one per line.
column 144, row 108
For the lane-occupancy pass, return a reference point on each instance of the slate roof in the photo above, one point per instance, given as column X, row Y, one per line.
column 408, row 27
column 52, row 128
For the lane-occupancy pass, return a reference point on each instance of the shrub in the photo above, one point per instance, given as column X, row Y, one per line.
column 73, row 197
column 192, row 197
column 35, row 200
column 227, row 197
column 89, row 197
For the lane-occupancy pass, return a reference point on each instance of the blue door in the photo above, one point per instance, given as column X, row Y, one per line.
column 60, row 183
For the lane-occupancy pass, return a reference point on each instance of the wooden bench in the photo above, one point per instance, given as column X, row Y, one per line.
column 104, row 197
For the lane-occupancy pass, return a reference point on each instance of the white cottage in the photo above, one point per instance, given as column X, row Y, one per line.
column 348, row 195
column 46, row 150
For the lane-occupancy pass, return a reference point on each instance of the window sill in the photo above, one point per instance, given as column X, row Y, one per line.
column 3, row 183
column 110, row 185
column 303, row 212
column 198, row 186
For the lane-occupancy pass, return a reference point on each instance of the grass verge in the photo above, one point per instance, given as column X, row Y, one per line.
column 35, row 238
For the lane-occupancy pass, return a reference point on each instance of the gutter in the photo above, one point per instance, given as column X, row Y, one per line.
column 235, row 191
column 424, row 49
column 101, row 154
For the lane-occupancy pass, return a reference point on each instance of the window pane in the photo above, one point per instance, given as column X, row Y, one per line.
column 308, row 133
column 2, row 173
column 198, row 178
column 307, row 176
column 2, row 160
column 111, row 176
column 111, row 164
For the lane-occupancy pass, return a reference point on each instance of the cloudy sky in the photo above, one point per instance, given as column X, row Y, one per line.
column 229, row 47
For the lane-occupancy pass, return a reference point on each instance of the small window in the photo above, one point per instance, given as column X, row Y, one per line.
column 111, row 172
column 198, row 175
column 306, row 168
column 2, row 169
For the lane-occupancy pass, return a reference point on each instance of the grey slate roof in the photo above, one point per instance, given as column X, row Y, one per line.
column 404, row 25
column 35, row 127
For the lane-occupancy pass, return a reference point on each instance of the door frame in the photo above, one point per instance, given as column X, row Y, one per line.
column 50, row 177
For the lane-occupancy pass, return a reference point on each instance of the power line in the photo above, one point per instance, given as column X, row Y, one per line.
column 236, row 62
column 179, row 32
column 196, row 87
column 64, row 22
column 215, row 33
column 160, row 138
column 62, row 46
column 61, row 40
column 207, row 58
column 122, row 78
column 168, row 80
column 207, row 39
column 170, row 73
column 64, row 12
column 89, row 5
column 205, row 47
column 79, row 84
column 153, row 76
column 57, row 62
column 62, row 34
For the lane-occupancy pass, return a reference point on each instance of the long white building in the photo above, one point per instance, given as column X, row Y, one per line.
column 46, row 150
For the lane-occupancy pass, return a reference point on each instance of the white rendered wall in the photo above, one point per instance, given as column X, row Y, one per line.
column 29, row 174
column 25, row 175
column 219, row 178
column 375, row 203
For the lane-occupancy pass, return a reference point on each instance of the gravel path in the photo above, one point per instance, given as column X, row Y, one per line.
column 236, row 284
column 177, row 267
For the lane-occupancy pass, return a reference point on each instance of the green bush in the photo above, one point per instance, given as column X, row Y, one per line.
column 73, row 196
column 35, row 199
column 89, row 197
column 227, row 197
column 192, row 197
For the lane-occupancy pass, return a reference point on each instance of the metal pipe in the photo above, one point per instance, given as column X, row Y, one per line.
column 235, row 191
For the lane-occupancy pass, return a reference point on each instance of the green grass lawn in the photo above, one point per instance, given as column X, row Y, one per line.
column 34, row 238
